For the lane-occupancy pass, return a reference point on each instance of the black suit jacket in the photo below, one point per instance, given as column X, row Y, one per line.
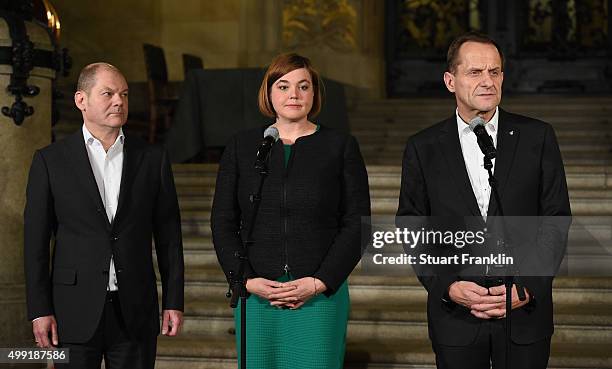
column 63, row 201
column 532, row 182
column 309, row 220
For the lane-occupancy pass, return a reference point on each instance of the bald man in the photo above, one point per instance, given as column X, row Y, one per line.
column 102, row 196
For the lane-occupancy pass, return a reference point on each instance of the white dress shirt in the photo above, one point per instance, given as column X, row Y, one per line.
column 107, row 167
column 474, row 159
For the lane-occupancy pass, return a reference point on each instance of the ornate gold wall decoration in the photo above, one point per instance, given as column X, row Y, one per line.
column 580, row 24
column 331, row 23
column 592, row 28
column 434, row 23
column 539, row 22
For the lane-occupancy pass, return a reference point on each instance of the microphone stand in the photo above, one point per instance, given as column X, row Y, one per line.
column 238, row 281
column 512, row 278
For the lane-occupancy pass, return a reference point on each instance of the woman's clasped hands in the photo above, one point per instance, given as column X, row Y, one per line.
column 291, row 295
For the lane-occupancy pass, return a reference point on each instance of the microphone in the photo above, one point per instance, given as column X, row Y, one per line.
column 271, row 135
column 485, row 142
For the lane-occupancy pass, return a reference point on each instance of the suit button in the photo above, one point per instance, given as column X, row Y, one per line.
column 99, row 210
column 114, row 238
column 119, row 270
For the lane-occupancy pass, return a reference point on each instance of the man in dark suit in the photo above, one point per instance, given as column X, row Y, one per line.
column 102, row 195
column 443, row 175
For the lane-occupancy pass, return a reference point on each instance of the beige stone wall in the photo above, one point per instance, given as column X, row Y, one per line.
column 209, row 29
column 17, row 146
column 111, row 30
column 226, row 34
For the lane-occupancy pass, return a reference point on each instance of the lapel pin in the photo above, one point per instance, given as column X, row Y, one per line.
column 511, row 133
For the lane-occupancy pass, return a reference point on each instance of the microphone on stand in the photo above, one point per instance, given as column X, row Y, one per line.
column 485, row 142
column 271, row 135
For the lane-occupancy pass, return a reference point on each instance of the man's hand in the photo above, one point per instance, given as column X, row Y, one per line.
column 172, row 322
column 469, row 294
column 497, row 311
column 489, row 311
column 41, row 328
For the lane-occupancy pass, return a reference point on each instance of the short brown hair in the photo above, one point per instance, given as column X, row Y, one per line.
column 281, row 65
column 452, row 55
column 87, row 77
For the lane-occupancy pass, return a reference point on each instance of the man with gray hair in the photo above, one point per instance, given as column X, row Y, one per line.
column 444, row 174
column 103, row 196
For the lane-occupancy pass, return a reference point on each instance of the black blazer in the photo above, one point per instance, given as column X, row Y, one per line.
column 63, row 201
column 532, row 182
column 309, row 220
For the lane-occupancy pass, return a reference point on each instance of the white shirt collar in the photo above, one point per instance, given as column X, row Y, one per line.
column 491, row 126
column 90, row 139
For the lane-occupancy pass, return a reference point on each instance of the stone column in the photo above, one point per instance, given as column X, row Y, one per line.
column 17, row 146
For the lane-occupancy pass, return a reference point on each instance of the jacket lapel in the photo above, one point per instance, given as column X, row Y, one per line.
column 507, row 139
column 76, row 153
column 132, row 155
column 451, row 148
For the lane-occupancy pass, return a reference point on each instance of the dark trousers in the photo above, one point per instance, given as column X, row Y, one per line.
column 111, row 342
column 489, row 350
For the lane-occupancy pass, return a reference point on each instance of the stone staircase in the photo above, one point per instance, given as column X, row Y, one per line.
column 583, row 125
column 388, row 326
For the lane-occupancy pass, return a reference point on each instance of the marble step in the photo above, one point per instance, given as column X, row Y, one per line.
column 593, row 148
column 383, row 120
column 404, row 290
column 204, row 185
column 200, row 178
column 568, row 139
column 590, row 260
column 599, row 154
column 444, row 106
column 593, row 260
column 583, row 229
column 389, row 205
column 446, row 109
column 387, row 329
column 539, row 100
column 384, row 157
column 586, row 160
column 396, row 318
column 382, row 126
column 582, row 238
column 211, row 351
column 571, row 314
column 385, row 127
column 197, row 223
column 391, row 320
column 210, row 170
column 381, row 198
column 595, row 186
column 577, row 179
column 530, row 103
column 390, row 119
column 579, row 206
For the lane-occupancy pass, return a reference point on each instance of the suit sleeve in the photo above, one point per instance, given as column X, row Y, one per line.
column 168, row 239
column 39, row 225
column 345, row 252
column 226, row 214
column 555, row 218
column 414, row 207
column 554, row 207
column 554, row 198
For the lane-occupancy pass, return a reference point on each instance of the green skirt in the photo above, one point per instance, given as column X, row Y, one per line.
column 311, row 337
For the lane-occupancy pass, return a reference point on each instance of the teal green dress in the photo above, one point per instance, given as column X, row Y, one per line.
column 311, row 337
